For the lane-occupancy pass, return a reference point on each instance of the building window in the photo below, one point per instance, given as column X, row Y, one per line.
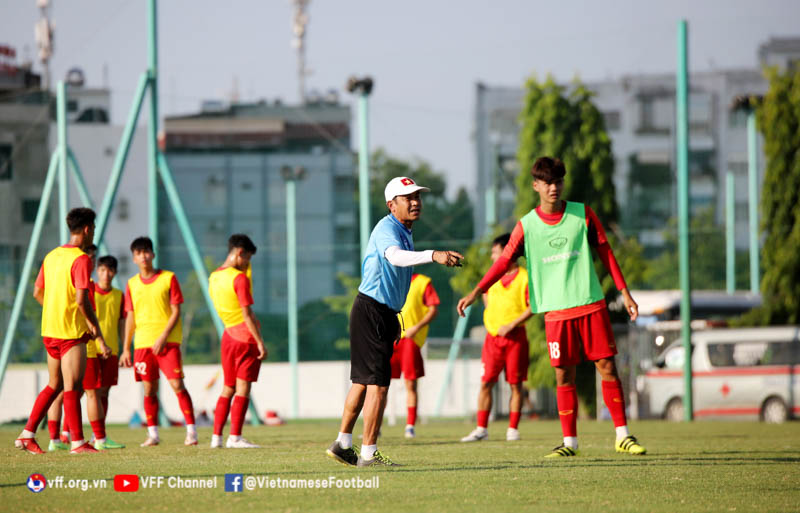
column 30, row 206
column 5, row 162
column 612, row 119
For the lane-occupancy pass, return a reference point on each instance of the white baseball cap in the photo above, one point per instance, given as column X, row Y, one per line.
column 401, row 186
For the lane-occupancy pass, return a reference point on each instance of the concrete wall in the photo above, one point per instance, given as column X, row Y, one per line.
column 323, row 387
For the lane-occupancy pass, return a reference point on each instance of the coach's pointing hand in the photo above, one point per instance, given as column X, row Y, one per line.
column 448, row 258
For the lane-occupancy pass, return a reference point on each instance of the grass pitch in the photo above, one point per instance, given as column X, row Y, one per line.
column 702, row 466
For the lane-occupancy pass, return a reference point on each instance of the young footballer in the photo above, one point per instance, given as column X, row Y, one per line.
column 111, row 313
column 557, row 238
column 153, row 307
column 506, row 344
column 68, row 323
column 418, row 312
column 374, row 327
column 242, row 344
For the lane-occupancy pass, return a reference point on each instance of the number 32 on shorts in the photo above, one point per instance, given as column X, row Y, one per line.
column 141, row 368
column 555, row 351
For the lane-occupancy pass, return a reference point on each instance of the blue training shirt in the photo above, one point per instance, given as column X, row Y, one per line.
column 380, row 280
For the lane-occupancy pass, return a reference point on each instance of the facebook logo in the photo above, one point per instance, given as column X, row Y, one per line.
column 233, row 482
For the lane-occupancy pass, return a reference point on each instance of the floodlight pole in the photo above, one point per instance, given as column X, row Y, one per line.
column 61, row 148
column 682, row 140
column 752, row 188
column 152, row 151
column 730, row 233
column 363, row 87
column 292, row 176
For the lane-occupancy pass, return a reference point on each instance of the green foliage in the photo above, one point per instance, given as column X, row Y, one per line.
column 706, row 256
column 778, row 118
column 563, row 122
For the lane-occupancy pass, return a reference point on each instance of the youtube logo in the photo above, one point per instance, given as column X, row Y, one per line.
column 126, row 483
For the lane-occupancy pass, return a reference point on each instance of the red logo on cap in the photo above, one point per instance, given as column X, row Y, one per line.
column 407, row 181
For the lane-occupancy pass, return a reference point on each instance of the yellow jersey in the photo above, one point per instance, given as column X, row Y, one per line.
column 504, row 303
column 150, row 301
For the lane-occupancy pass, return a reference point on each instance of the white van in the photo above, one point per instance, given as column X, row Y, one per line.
column 751, row 373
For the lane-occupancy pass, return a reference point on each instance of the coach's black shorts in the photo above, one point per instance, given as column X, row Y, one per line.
column 373, row 329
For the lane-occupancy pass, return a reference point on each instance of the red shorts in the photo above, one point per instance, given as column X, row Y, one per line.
column 146, row 364
column 110, row 370
column 407, row 360
column 509, row 353
column 93, row 377
column 58, row 347
column 589, row 336
column 239, row 360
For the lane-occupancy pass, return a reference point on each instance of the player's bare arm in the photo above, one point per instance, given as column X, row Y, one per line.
column 130, row 326
column 519, row 321
column 255, row 329
column 161, row 341
column 38, row 294
column 433, row 310
column 467, row 300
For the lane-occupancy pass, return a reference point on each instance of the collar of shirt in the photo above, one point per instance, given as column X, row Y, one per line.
column 397, row 221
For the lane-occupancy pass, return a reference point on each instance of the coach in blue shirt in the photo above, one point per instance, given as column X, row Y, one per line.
column 374, row 328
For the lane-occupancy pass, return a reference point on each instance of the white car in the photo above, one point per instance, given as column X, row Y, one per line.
column 750, row 373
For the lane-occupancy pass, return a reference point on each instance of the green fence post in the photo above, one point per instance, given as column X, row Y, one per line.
column 63, row 184
column 730, row 232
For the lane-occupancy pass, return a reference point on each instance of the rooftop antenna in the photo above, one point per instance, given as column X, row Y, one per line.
column 299, row 24
column 43, row 32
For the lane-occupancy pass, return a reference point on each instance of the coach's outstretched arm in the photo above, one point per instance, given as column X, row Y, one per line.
column 403, row 258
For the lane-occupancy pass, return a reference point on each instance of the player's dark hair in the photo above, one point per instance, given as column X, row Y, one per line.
column 79, row 218
column 548, row 169
column 91, row 248
column 141, row 244
column 107, row 261
column 240, row 240
column 501, row 240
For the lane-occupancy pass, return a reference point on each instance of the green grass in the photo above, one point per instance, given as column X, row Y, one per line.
column 696, row 467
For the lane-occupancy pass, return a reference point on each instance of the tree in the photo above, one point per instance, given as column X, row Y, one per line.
column 778, row 117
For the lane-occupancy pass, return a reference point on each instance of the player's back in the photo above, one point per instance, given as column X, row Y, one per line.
column 61, row 317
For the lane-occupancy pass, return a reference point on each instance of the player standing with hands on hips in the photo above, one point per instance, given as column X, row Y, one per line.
column 556, row 238
column 374, row 327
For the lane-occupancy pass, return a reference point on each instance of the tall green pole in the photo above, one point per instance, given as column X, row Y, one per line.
column 752, row 188
column 83, row 191
column 363, row 171
column 491, row 192
column 730, row 233
column 291, row 283
column 63, row 184
column 27, row 266
column 682, row 142
column 152, row 155
column 120, row 158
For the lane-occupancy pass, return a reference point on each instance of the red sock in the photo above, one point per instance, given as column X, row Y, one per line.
column 615, row 402
column 412, row 416
column 40, row 407
column 72, row 414
column 185, row 400
column 238, row 410
column 54, row 426
column 98, row 428
column 221, row 414
column 151, row 409
column 104, row 401
column 567, row 398
column 483, row 418
column 513, row 419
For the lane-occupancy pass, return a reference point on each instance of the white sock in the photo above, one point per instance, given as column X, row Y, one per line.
column 191, row 430
column 571, row 442
column 216, row 438
column 234, row 438
column 76, row 443
column 65, row 434
column 622, row 432
column 368, row 451
column 152, row 432
column 27, row 434
column 481, row 429
column 345, row 440
column 409, row 426
column 100, row 440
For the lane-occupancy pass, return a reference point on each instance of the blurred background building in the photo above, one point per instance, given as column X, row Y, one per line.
column 639, row 113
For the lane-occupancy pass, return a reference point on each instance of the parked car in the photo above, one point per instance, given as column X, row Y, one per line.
column 751, row 373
